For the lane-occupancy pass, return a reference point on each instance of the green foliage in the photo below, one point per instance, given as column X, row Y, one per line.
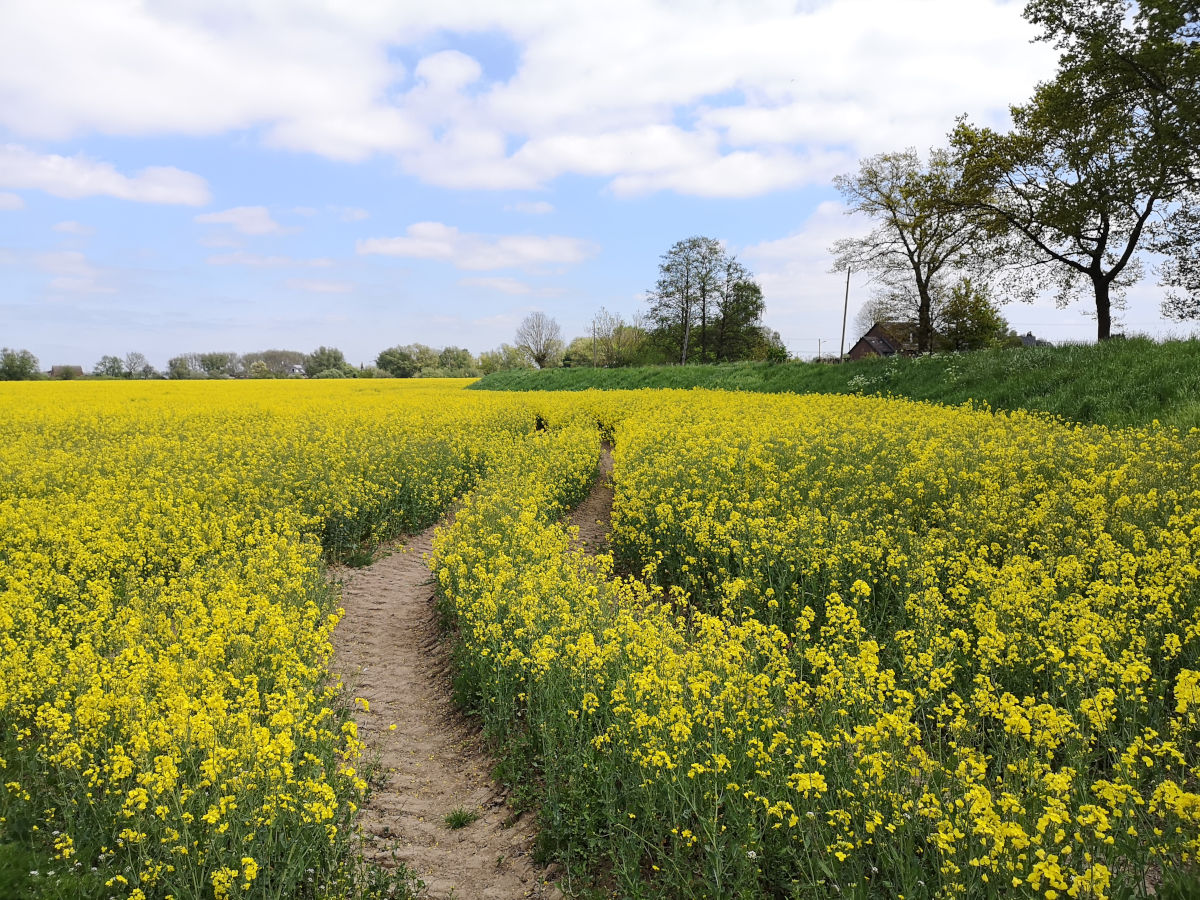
column 460, row 817
column 455, row 358
column 705, row 306
column 186, row 365
column 449, row 373
column 1101, row 155
column 582, row 351
column 18, row 365
column 1122, row 382
column 504, row 358
column 109, row 367
column 399, row 362
column 279, row 362
column 216, row 365
column 969, row 319
column 324, row 361
column 27, row 873
column 765, row 345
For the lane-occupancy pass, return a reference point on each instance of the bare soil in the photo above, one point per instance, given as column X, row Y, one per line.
column 389, row 650
column 592, row 516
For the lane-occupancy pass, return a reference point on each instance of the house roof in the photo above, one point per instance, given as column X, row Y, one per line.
column 881, row 345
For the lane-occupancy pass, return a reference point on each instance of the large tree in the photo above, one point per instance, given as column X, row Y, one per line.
column 737, row 330
column 1104, row 155
column 539, row 336
column 185, row 365
column 219, row 365
column 17, row 365
column 109, row 367
column 922, row 234
column 399, row 362
column 328, row 362
column 705, row 305
column 135, row 365
column 455, row 358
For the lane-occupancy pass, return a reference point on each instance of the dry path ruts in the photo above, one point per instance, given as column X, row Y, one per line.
column 389, row 651
column 592, row 516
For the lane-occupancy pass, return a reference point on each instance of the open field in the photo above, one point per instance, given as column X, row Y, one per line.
column 840, row 644
column 169, row 722
column 1122, row 382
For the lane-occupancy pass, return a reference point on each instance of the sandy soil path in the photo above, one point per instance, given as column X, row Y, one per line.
column 389, row 651
column 592, row 516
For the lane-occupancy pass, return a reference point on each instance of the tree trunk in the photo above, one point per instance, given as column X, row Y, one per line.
column 1103, row 309
column 924, row 321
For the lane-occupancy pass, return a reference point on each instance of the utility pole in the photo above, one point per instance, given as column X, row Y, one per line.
column 818, row 349
column 845, row 307
column 593, row 343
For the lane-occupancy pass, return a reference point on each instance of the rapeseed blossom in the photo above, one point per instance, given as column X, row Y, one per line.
column 167, row 711
column 868, row 647
column 842, row 645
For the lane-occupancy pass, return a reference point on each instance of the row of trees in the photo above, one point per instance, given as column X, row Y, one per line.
column 1101, row 165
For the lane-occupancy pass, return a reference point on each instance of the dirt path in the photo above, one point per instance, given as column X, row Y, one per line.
column 592, row 516
column 389, row 652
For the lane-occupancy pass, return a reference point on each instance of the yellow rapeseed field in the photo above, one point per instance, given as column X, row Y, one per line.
column 842, row 647
column 169, row 725
column 887, row 649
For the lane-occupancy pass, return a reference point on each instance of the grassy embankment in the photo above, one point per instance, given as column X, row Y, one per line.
column 1120, row 382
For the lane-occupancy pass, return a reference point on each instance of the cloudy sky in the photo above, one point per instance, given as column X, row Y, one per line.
column 191, row 175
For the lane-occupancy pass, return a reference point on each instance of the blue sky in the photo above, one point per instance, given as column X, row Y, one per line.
column 206, row 175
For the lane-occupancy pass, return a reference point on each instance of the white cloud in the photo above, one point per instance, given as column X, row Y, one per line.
column 500, row 283
column 724, row 99
column 72, row 273
column 350, row 213
column 514, row 287
column 252, row 220
column 79, row 176
column 218, row 241
column 11, row 201
column 319, row 287
column 306, row 211
column 803, row 297
column 256, row 260
column 72, row 227
column 738, row 174
column 433, row 240
column 448, row 71
column 532, row 208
